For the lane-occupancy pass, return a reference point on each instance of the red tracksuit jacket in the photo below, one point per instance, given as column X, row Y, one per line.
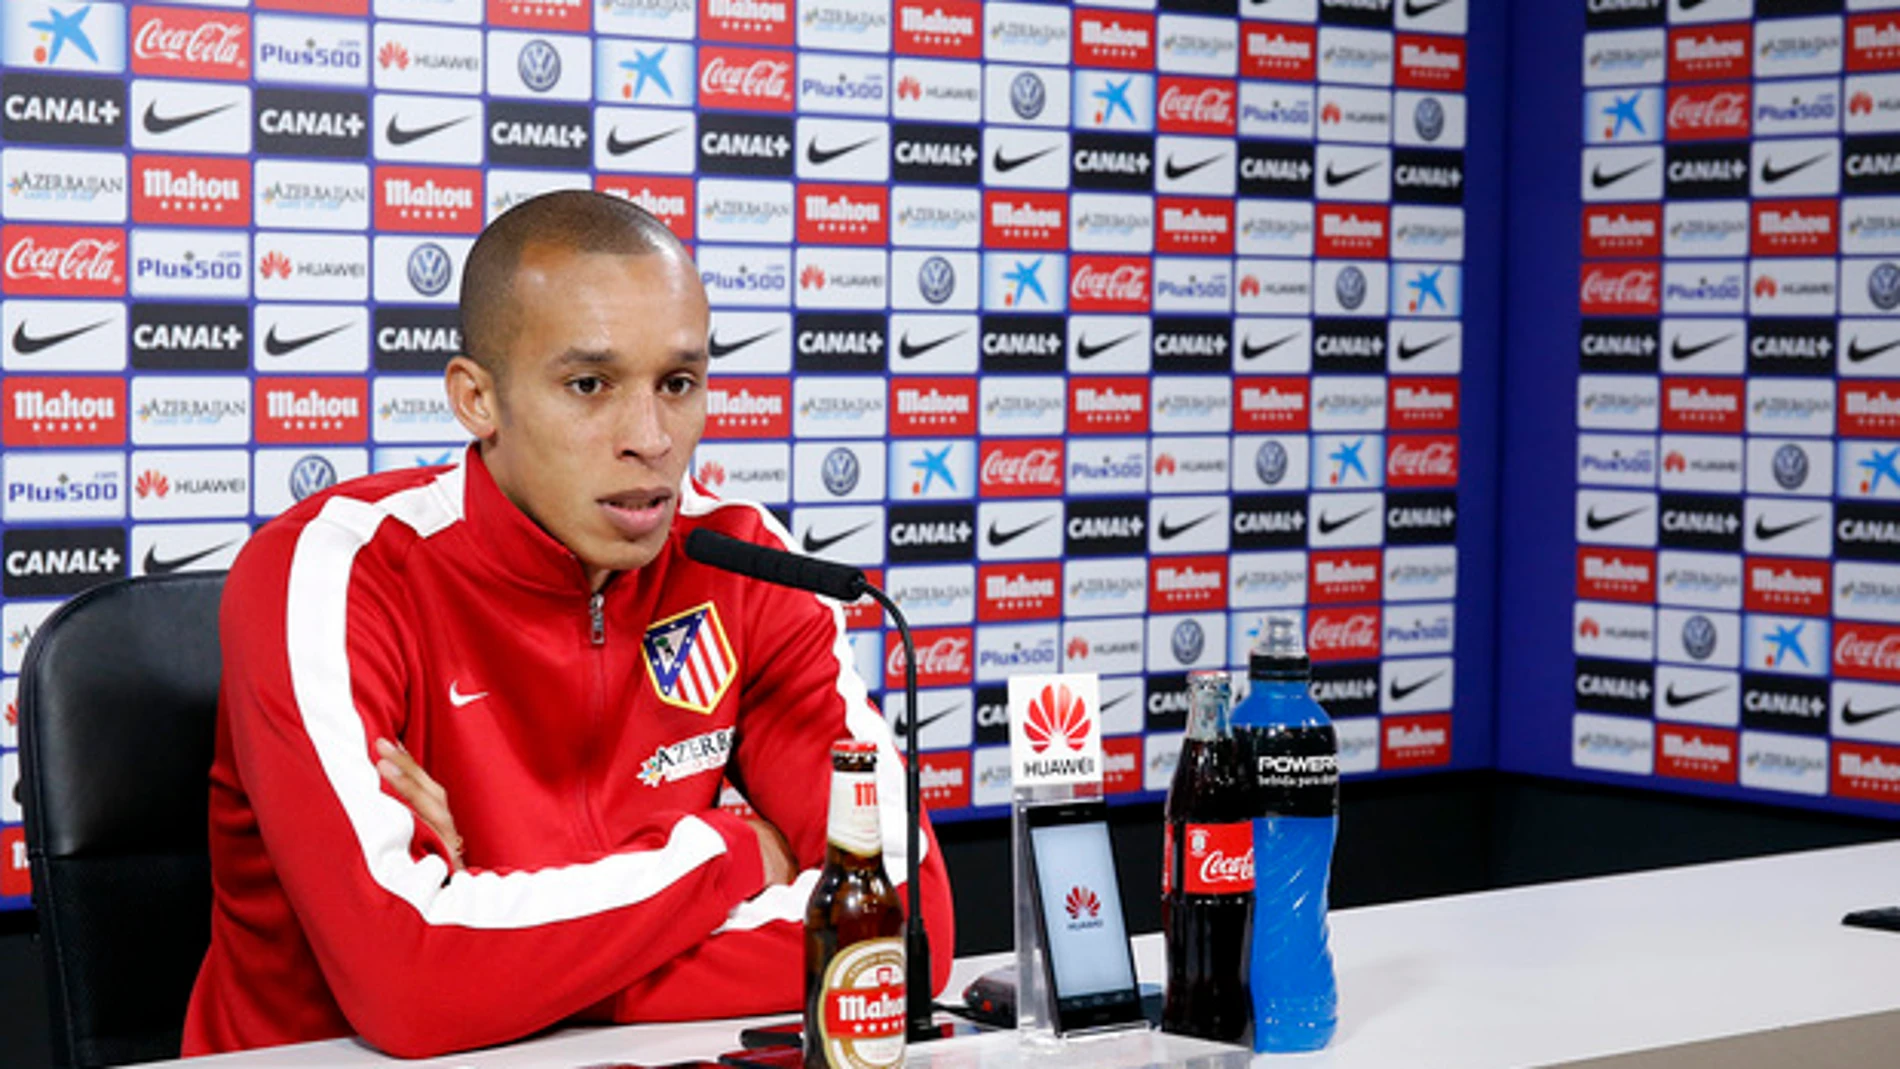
column 581, row 740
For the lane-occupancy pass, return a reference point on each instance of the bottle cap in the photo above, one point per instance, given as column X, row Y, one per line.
column 1278, row 653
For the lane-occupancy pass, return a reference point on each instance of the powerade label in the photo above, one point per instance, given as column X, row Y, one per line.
column 862, row 1022
column 1219, row 859
column 1296, row 769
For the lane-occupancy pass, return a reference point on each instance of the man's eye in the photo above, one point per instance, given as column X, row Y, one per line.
column 680, row 385
column 586, row 386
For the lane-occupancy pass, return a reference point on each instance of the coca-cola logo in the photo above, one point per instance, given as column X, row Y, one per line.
column 1016, row 469
column 939, row 659
column 1708, row 113
column 64, row 261
column 1422, row 462
column 1194, row 106
column 750, row 78
column 198, row 44
column 1632, row 288
column 1867, row 651
column 1110, row 284
column 1217, row 867
column 1342, row 635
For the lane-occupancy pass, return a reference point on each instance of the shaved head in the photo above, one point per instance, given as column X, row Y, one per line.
column 572, row 220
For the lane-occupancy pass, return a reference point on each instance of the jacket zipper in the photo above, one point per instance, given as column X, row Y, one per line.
column 597, row 634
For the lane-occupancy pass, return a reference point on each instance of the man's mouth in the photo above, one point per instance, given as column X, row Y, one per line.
column 637, row 513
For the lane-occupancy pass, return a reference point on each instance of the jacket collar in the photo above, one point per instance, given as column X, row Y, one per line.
column 512, row 544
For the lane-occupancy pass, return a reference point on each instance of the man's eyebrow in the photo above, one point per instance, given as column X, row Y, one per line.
column 692, row 356
column 586, row 357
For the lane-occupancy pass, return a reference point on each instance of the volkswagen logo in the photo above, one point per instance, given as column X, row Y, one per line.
column 936, row 280
column 1429, row 119
column 539, row 65
column 1269, row 462
column 1188, row 641
column 430, row 269
column 840, row 471
column 1027, row 95
column 1698, row 637
column 1350, row 288
column 1883, row 287
column 1791, row 466
column 311, row 474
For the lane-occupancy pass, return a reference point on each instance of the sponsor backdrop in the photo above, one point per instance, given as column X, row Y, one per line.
column 1703, row 437
column 1097, row 332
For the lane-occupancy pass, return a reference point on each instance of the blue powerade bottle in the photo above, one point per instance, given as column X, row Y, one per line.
column 1289, row 741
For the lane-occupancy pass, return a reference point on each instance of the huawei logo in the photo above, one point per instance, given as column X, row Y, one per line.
column 1081, row 903
column 274, row 265
column 1056, row 716
column 812, row 278
column 393, row 55
column 152, row 483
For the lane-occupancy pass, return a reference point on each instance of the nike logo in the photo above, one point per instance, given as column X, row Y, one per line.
column 1000, row 537
column 617, row 147
column 1004, row 164
column 1327, row 525
column 276, row 346
column 1599, row 180
column 1691, row 5
column 1851, row 715
column 1414, row 10
column 459, row 699
column 165, row 124
column 1117, row 700
column 1856, row 354
column 816, row 544
column 902, row 727
column 1597, row 523
column 818, row 157
column 399, row 136
column 1335, row 178
column 1175, row 170
column 908, row 350
column 1772, row 174
column 1169, row 530
column 1679, row 351
column 718, row 349
column 1085, row 351
column 1408, row 351
column 1765, row 532
column 1676, row 701
column 1400, row 692
column 157, row 565
column 1250, row 351
column 26, row 344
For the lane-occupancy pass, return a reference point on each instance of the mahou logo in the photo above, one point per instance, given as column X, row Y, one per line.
column 1344, row 576
column 1622, row 230
column 1025, row 219
column 1691, row 752
column 312, row 410
column 1703, row 404
column 943, row 779
column 1108, row 405
column 1621, row 289
column 62, row 261
column 540, row 14
column 759, row 22
column 1708, row 112
column 201, row 190
column 1081, row 902
column 1353, row 231
column 1188, row 584
column 1708, row 53
column 15, row 877
column 429, row 199
column 175, row 42
column 746, row 78
column 865, row 614
column 1196, row 106
column 1870, row 409
column 924, row 407
column 1271, row 403
column 1795, row 227
column 1030, row 590
column 739, row 407
column 1123, row 39
column 943, row 657
column 1429, row 62
column 1421, row 460
column 941, row 29
column 1865, row 771
column 670, row 200
column 1605, row 574
column 1873, row 42
column 1422, row 404
column 1415, row 741
column 64, row 411
column 1279, row 50
column 1194, row 225
column 1057, row 719
column 1787, row 585
column 1867, row 651
column 841, row 214
column 1109, row 284
column 1028, row 467
column 1342, row 634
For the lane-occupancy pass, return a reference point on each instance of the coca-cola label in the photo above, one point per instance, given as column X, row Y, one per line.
column 64, row 411
column 1429, row 61
column 1808, row 227
column 746, row 78
column 1217, row 859
column 1271, row 403
column 180, row 42
column 1109, row 283
column 754, row 22
column 1415, row 741
column 1708, row 53
column 1122, row 39
column 1862, row 770
column 1413, row 460
column 740, row 407
column 1187, row 584
column 1194, row 225
column 940, row 29
column 191, row 190
column 1873, row 42
column 1622, row 230
column 1025, row 219
column 1704, row 404
column 312, row 410
column 933, row 407
column 1196, row 106
column 1689, row 751
column 1108, row 405
column 1284, row 51
column 670, row 200
column 1342, row 634
column 944, row 657
column 1707, row 112
column 1616, row 574
column 861, row 1000
column 1869, row 409
column 1023, row 467
column 1026, row 590
column 1867, row 651
column 62, row 261
column 837, row 213
column 429, row 200
column 1422, row 404
column 1621, row 289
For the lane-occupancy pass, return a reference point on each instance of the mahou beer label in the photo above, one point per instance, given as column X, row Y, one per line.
column 1055, row 729
column 1219, row 859
column 862, row 1025
column 852, row 825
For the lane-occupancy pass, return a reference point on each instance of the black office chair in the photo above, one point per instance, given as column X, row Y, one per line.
column 118, row 708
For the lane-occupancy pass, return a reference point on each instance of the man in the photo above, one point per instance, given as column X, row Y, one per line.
column 526, row 628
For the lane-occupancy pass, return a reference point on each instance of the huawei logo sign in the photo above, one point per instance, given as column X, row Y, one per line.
column 1056, row 717
column 152, row 484
column 811, row 278
column 713, row 474
column 1082, row 903
column 393, row 55
column 274, row 265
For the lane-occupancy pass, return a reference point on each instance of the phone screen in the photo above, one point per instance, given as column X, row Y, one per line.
column 1091, row 970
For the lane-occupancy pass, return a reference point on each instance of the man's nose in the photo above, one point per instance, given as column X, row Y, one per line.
column 642, row 431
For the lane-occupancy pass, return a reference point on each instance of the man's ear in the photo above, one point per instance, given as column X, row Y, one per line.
column 472, row 395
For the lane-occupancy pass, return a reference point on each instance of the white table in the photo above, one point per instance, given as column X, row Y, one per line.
column 1525, row 977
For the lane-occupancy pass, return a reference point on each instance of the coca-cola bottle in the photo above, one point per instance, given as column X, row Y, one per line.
column 854, row 946
column 1207, row 873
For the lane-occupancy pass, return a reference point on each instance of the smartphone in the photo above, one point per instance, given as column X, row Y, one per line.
column 1088, row 964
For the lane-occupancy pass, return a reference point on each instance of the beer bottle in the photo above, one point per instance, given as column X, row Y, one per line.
column 854, row 946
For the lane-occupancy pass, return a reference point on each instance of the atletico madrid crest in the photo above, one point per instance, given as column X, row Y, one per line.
column 689, row 660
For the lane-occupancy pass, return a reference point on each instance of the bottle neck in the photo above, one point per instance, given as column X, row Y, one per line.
column 852, row 832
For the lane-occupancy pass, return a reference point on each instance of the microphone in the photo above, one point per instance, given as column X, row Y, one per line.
column 845, row 583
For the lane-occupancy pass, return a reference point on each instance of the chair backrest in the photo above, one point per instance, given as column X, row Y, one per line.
column 118, row 712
